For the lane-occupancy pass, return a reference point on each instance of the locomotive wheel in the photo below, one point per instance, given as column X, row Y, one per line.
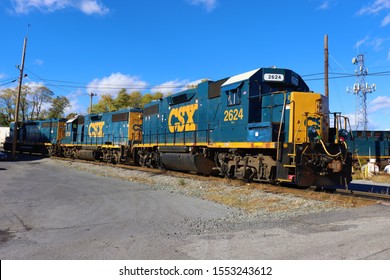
column 114, row 158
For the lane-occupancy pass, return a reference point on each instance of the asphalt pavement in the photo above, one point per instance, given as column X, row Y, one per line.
column 48, row 212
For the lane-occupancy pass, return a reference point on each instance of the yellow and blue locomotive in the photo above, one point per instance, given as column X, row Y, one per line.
column 35, row 136
column 366, row 145
column 104, row 136
column 262, row 125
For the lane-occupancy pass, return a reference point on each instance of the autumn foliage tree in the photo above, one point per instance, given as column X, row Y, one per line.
column 32, row 104
column 58, row 107
column 124, row 99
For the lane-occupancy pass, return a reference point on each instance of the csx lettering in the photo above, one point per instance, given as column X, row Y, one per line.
column 96, row 129
column 182, row 118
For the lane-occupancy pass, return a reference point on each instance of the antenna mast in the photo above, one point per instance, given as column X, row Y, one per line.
column 360, row 89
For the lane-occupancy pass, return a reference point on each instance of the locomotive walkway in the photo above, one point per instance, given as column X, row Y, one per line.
column 51, row 212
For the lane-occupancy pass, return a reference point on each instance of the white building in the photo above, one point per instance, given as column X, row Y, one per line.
column 4, row 132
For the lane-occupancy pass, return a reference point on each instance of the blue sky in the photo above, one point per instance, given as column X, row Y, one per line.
column 78, row 47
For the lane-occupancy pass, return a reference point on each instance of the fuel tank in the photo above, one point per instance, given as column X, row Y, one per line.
column 187, row 162
column 89, row 154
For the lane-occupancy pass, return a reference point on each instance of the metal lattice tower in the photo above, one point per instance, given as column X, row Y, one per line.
column 360, row 89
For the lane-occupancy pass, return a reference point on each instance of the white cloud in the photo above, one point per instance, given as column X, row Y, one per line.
column 114, row 83
column 75, row 105
column 34, row 85
column 170, row 86
column 324, row 6
column 361, row 42
column 377, row 43
column 210, row 5
column 2, row 76
column 38, row 62
column 379, row 103
column 88, row 7
column 194, row 83
column 174, row 86
column 376, row 7
column 386, row 20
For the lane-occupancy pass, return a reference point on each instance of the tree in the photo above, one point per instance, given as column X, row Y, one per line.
column 58, row 107
column 24, row 103
column 71, row 116
column 105, row 104
column 7, row 105
column 135, row 100
column 148, row 97
column 124, row 99
column 3, row 120
column 31, row 103
column 39, row 96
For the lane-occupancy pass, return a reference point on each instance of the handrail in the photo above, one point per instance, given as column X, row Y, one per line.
column 280, row 126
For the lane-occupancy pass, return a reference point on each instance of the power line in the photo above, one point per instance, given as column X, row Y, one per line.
column 343, row 75
column 71, row 84
column 64, row 85
column 44, row 80
column 10, row 82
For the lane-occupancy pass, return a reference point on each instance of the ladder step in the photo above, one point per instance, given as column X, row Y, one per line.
column 291, row 155
column 284, row 180
column 289, row 165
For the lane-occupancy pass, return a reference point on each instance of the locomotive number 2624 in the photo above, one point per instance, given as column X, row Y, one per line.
column 233, row 115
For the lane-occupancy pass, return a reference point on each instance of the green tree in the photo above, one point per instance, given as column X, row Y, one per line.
column 122, row 100
column 105, row 104
column 3, row 120
column 39, row 96
column 148, row 97
column 71, row 116
column 58, row 107
column 128, row 100
column 135, row 100
column 7, row 105
column 24, row 103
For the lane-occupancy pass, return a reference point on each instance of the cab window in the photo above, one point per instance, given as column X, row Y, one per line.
column 234, row 97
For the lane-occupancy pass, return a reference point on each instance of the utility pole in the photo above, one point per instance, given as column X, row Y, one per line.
column 326, row 66
column 360, row 89
column 90, row 101
column 16, row 125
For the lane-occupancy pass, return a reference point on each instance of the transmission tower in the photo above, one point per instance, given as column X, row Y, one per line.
column 360, row 89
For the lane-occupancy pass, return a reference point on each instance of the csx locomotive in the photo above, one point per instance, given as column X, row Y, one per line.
column 366, row 145
column 262, row 125
column 35, row 136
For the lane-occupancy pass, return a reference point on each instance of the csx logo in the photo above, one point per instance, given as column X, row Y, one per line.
column 96, row 129
column 182, row 118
